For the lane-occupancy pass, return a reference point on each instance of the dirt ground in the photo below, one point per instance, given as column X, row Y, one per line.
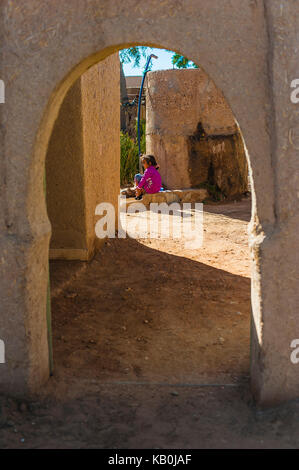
column 151, row 350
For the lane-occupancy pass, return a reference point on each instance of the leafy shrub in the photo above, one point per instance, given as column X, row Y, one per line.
column 129, row 158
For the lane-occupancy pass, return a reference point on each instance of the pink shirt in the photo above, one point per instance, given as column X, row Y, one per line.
column 151, row 181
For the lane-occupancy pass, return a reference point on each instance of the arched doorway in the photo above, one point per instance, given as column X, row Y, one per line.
column 105, row 185
column 105, row 320
column 96, row 30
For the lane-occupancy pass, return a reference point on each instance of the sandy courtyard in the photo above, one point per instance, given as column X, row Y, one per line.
column 151, row 349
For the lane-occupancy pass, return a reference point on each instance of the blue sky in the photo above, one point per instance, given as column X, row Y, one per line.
column 162, row 63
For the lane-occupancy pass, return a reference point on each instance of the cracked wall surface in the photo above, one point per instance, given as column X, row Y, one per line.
column 193, row 134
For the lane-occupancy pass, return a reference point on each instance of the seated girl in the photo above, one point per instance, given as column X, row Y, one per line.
column 150, row 182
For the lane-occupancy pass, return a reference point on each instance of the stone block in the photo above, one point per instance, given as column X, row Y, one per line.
column 193, row 195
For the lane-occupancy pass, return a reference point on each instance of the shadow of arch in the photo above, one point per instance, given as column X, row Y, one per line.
column 190, row 325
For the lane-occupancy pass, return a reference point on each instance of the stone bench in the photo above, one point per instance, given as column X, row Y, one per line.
column 170, row 196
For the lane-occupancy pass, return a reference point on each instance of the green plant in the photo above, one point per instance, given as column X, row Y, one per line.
column 142, row 135
column 129, row 158
column 135, row 54
column 182, row 62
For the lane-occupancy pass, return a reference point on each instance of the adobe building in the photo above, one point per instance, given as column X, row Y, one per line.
column 83, row 153
column 248, row 48
column 130, row 87
column 192, row 132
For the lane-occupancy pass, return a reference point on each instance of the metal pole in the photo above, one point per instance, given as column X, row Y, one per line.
column 139, row 104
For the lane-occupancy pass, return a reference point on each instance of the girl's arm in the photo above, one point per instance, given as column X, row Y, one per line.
column 142, row 181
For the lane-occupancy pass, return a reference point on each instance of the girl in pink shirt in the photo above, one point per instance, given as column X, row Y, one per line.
column 151, row 180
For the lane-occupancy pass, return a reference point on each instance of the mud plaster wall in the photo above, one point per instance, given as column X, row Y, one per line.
column 101, row 127
column 130, row 114
column 249, row 49
column 191, row 131
column 218, row 163
column 82, row 165
column 65, row 175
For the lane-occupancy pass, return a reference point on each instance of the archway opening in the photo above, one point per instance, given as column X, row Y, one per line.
column 148, row 310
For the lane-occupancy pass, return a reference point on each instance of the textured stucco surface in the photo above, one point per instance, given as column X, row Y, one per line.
column 82, row 164
column 65, row 175
column 219, row 161
column 249, row 49
column 101, row 126
column 274, row 377
column 192, row 132
column 186, row 97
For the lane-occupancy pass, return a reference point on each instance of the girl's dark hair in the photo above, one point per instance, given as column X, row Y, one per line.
column 153, row 160
column 147, row 159
column 150, row 160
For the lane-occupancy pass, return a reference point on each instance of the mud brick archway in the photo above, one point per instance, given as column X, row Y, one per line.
column 248, row 47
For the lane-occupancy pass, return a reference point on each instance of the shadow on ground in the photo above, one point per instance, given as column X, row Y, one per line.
column 151, row 350
column 139, row 314
column 124, row 417
column 234, row 210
